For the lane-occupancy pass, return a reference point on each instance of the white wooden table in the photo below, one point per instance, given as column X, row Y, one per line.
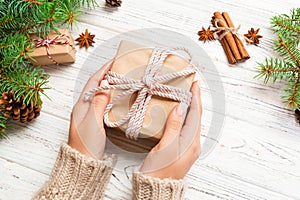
column 258, row 153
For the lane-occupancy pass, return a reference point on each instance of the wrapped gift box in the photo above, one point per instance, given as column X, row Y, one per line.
column 60, row 53
column 131, row 60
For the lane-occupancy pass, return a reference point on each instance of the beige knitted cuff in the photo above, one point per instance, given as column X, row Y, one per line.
column 76, row 176
column 146, row 187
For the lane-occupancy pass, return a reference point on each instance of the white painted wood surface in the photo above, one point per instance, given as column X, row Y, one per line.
column 258, row 154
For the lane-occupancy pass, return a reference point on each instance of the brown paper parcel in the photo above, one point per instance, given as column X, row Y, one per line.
column 61, row 53
column 131, row 61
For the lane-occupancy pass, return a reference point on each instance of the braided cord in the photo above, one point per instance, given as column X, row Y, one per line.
column 150, row 84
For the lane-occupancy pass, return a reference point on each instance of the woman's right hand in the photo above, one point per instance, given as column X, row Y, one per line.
column 87, row 134
column 180, row 146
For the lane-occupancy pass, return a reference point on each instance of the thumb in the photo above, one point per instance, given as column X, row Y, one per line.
column 99, row 104
column 173, row 125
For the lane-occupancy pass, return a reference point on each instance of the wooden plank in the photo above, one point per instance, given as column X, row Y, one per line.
column 19, row 182
column 257, row 156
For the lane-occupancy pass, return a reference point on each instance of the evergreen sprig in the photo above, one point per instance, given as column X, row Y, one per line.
column 18, row 19
column 3, row 125
column 16, row 80
column 13, row 49
column 287, row 67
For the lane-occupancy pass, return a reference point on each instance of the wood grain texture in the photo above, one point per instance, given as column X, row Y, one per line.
column 257, row 156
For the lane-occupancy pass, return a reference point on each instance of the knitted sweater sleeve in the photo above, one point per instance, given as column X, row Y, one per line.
column 76, row 176
column 148, row 188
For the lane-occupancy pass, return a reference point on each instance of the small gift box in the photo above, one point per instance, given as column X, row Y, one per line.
column 55, row 49
column 146, row 84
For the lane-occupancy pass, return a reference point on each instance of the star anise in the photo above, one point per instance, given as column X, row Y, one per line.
column 253, row 36
column 206, row 34
column 85, row 39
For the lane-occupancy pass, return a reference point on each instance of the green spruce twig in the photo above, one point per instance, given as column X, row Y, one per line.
column 3, row 126
column 18, row 19
column 287, row 28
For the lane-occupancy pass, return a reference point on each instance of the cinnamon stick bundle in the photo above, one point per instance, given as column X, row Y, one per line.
column 232, row 45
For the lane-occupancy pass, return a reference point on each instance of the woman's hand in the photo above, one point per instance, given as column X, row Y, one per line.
column 87, row 133
column 179, row 147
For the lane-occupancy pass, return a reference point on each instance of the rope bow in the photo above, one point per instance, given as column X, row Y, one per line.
column 150, row 84
column 47, row 42
column 227, row 30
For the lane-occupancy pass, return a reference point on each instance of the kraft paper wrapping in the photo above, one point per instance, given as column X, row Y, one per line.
column 131, row 60
column 61, row 53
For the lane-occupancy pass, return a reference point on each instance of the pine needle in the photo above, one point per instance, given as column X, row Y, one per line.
column 287, row 28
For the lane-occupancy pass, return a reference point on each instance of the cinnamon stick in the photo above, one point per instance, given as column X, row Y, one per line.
column 226, row 47
column 229, row 37
column 241, row 47
column 228, row 52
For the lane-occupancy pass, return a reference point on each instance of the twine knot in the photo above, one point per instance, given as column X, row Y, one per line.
column 233, row 31
column 40, row 43
column 150, row 84
column 47, row 42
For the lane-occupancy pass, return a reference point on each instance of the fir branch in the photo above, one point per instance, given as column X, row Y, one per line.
column 3, row 126
column 13, row 54
column 25, row 80
column 19, row 18
column 39, row 16
column 288, row 49
column 276, row 69
column 288, row 68
column 29, row 7
column 270, row 70
column 9, row 23
column 31, row 16
column 293, row 101
column 34, row 2
column 30, row 27
column 88, row 3
column 6, row 21
column 68, row 12
column 287, row 27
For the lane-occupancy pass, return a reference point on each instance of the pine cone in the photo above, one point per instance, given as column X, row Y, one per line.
column 297, row 115
column 17, row 109
column 114, row 3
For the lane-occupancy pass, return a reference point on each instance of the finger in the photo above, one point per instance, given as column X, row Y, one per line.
column 81, row 107
column 92, row 124
column 196, row 92
column 173, row 126
column 192, row 127
column 98, row 106
column 96, row 78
